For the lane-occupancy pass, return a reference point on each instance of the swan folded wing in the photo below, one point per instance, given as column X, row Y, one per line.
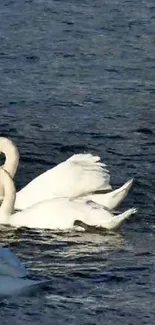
column 10, row 264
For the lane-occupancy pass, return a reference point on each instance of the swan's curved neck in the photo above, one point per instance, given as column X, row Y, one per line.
column 7, row 206
column 11, row 154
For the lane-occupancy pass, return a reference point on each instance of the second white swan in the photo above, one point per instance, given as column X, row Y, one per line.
column 59, row 213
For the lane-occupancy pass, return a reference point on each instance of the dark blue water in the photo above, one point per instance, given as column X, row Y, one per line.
column 79, row 76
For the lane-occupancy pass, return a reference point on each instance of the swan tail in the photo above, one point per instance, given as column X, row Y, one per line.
column 112, row 199
column 119, row 219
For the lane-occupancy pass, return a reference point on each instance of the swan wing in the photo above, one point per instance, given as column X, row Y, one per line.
column 77, row 176
column 93, row 175
column 10, row 264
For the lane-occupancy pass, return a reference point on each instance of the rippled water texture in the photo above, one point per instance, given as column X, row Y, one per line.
column 78, row 76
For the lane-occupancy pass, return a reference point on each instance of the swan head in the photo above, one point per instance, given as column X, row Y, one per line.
column 9, row 149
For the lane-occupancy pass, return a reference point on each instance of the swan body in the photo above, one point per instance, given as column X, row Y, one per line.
column 58, row 213
column 13, row 279
column 78, row 177
column 62, row 213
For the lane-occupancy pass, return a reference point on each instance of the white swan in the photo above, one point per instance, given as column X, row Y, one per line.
column 13, row 276
column 77, row 177
column 58, row 213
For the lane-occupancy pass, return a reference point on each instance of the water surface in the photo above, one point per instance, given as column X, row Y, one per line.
column 78, row 76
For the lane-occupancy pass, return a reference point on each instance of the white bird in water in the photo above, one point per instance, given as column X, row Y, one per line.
column 14, row 277
column 59, row 213
column 78, row 177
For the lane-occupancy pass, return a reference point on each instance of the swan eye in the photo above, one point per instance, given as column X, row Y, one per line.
column 2, row 158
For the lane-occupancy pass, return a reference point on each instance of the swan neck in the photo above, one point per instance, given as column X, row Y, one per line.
column 7, row 206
